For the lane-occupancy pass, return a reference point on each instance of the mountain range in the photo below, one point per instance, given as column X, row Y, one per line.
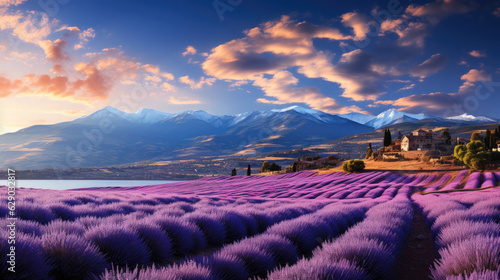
column 113, row 137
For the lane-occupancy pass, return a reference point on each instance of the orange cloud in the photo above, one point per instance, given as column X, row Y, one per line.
column 7, row 87
column 176, row 101
column 190, row 50
column 55, row 51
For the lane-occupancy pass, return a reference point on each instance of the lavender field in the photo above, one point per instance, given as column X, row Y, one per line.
column 292, row 226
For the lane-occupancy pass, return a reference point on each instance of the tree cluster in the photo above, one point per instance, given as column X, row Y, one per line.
column 266, row 167
column 474, row 155
column 354, row 165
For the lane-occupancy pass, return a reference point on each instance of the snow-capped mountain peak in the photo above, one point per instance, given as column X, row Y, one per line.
column 467, row 117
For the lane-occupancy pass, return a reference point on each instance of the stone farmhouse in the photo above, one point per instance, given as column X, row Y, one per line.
column 420, row 140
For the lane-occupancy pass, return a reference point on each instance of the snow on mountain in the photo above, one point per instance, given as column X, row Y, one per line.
column 389, row 117
column 392, row 116
column 357, row 117
column 470, row 118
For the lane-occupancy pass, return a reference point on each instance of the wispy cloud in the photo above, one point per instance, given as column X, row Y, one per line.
column 190, row 50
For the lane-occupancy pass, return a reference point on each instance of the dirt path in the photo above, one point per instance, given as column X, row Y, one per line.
column 418, row 253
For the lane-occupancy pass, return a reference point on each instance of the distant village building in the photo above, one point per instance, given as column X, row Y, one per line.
column 420, row 140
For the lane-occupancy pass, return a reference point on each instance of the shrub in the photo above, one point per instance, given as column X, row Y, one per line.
column 30, row 259
column 120, row 245
column 256, row 261
column 320, row 269
column 212, row 229
column 477, row 253
column 185, row 236
column 58, row 226
column 353, row 166
column 28, row 211
column 282, row 250
column 157, row 241
column 224, row 267
column 73, row 257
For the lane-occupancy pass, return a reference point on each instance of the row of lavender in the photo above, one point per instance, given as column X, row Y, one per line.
column 291, row 243
column 467, row 232
column 300, row 185
column 68, row 235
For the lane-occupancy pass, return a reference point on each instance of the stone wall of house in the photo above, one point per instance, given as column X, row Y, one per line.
column 414, row 154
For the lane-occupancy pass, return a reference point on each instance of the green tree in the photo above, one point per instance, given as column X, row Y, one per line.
column 265, row 166
column 487, row 140
column 459, row 152
column 294, row 167
column 387, row 138
column 476, row 156
column 476, row 137
column 233, row 172
column 354, row 165
column 249, row 170
column 369, row 152
column 445, row 133
column 274, row 167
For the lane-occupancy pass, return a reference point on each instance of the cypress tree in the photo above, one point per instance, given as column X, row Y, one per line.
column 487, row 139
column 249, row 170
column 233, row 172
column 385, row 138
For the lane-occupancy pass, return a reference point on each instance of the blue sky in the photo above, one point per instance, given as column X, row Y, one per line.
column 422, row 56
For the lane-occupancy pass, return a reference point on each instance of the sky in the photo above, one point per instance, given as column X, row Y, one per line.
column 62, row 59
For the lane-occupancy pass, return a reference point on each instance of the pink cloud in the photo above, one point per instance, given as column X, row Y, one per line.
column 439, row 9
column 476, row 53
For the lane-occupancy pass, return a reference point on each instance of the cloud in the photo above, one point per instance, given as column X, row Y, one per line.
column 7, row 87
column 197, row 85
column 496, row 12
column 153, row 69
column 84, row 38
column 168, row 87
column 7, row 3
column 358, row 22
column 475, row 75
column 282, row 88
column 439, row 9
column 65, row 112
column 55, row 50
column 432, row 65
column 439, row 102
column 408, row 87
column 57, row 87
column 176, row 101
column 277, row 45
column 190, row 50
column 31, row 27
column 476, row 53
